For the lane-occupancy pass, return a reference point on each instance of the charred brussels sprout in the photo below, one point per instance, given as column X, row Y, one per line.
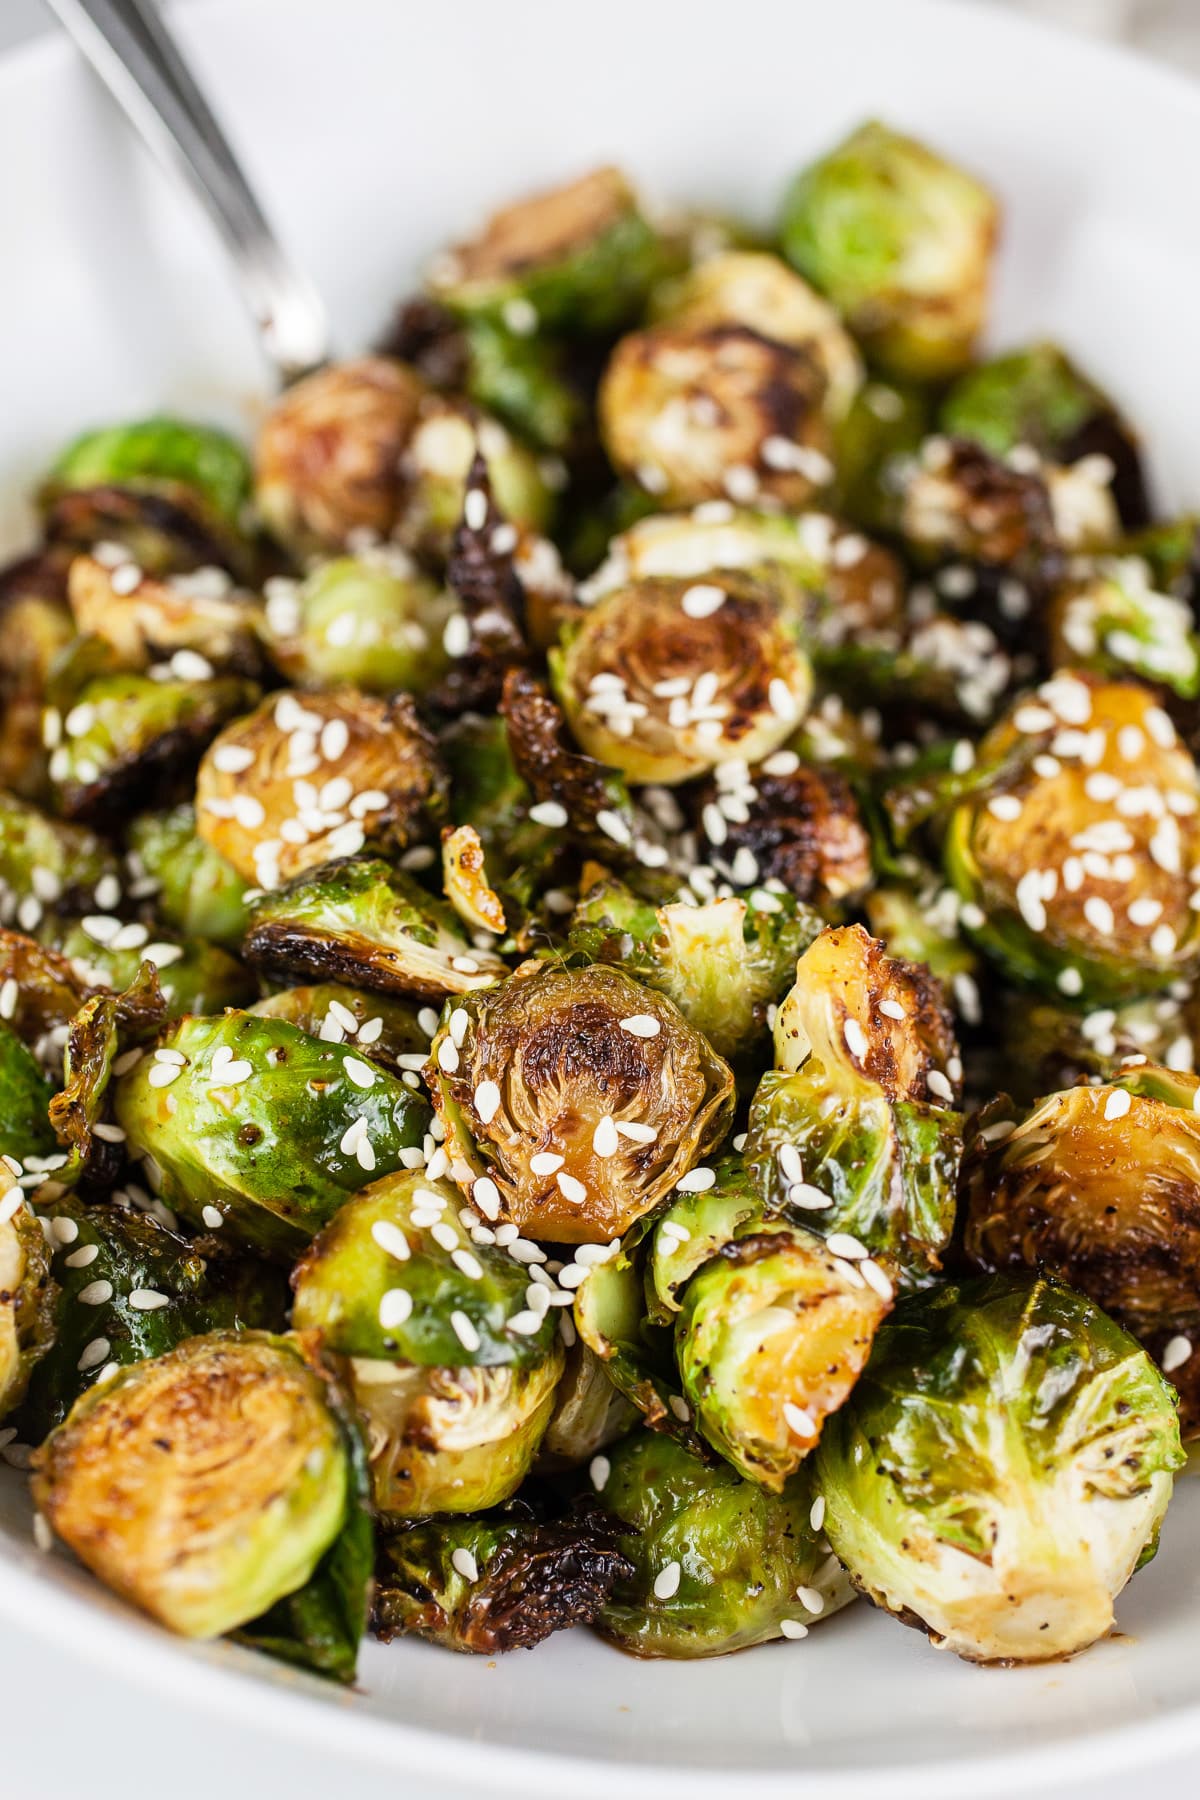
column 363, row 921
column 253, row 1448
column 253, row 1120
column 199, row 617
column 729, row 652
column 1002, row 1468
column 705, row 412
column 196, row 890
column 901, row 242
column 1113, row 621
column 126, row 735
column 313, row 776
column 27, row 1294
column 580, row 258
column 1100, row 1186
column 1075, row 858
column 855, row 1124
column 718, row 1564
column 790, row 823
column 530, row 1578
column 574, row 1100
column 369, row 620
column 49, row 860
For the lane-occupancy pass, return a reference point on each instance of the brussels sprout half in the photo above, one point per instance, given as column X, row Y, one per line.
column 1001, row 1469
column 25, row 1096
column 856, row 1124
column 255, row 1451
column 709, row 412
column 362, row 920
column 27, row 1293
column 531, row 1578
column 958, row 501
column 574, row 1100
column 198, row 617
column 372, row 621
column 1074, row 861
column 718, row 1564
column 666, row 678
column 580, row 258
column 307, row 777
column 252, row 1120
column 901, row 242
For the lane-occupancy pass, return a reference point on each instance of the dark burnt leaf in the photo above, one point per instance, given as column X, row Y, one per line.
column 594, row 796
column 804, row 829
column 485, row 579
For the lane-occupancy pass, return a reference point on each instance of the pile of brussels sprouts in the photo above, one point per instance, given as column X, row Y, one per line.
column 598, row 948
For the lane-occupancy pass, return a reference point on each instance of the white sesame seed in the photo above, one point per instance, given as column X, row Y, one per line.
column 570, row 1188
column 545, row 1163
column 548, row 812
column 486, row 1196
column 613, row 826
column 790, row 1165
column 94, row 1354
column 148, row 1300
column 1117, row 1104
column 523, row 1250
column 781, row 700
column 816, row 1517
column 444, row 1235
column 1099, row 914
column 811, row 1599
column 1176, row 1353
column 641, row 1025
column 792, row 1628
column 212, row 1218
column 877, row 1278
column 605, row 1141
column 636, row 1133
column 856, row 1038
column 461, row 1558
column 467, row 1265
column 163, row 1073
column 456, row 639
column 808, row 1197
column 599, row 1470
column 696, row 1181
column 1005, row 806
column 799, row 1419
column 666, row 1582
column 701, row 600
column 1163, row 941
column 96, row 1293
column 447, row 1057
column 840, row 1243
column 65, row 1230
column 10, row 1205
column 891, row 1009
column 390, row 1239
column 937, row 1084
column 526, row 1323
column 464, row 1331
column 487, row 1101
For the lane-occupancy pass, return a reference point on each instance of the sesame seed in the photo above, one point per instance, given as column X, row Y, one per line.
column 1163, row 941
column 809, row 1198
column 546, row 1162
column 1099, row 914
column 390, row 1239
column 526, row 1323
column 781, row 700
column 1176, row 1353
column 799, row 1419
column 462, row 1559
column 487, row 1101
column 447, row 1057
column 666, row 1582
column 641, row 1025
column 464, row 1331
column 840, row 1243
column 696, row 1181
column 792, row 1628
column 65, row 1230
column 444, row 1235
column 1005, row 806
column 790, row 1164
column 605, row 1141
column 94, row 1354
column 636, row 1133
column 96, row 1293
column 613, row 826
column 937, row 1084
column 877, row 1278
column 856, row 1038
column 148, row 1300
column 213, row 1218
column 486, row 1196
column 700, row 601
column 456, row 638
column 570, row 1188
column 891, row 1009
column 599, row 1470
column 811, row 1599
column 467, row 1265
column 816, row 1517
column 548, row 812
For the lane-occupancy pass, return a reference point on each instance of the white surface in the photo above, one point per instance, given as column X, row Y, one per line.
column 371, row 141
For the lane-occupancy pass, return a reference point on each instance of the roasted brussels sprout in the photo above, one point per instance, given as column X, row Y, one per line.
column 172, row 493
column 1006, row 1545
column 709, row 412
column 718, row 1564
column 198, row 618
column 363, row 921
column 589, row 1413
column 1074, row 855
column 195, row 890
column 42, row 992
column 106, row 1025
column 856, row 1123
column 1112, row 620
column 370, row 620
column 885, row 426
column 46, row 862
column 313, row 776
column 958, row 501
column 580, row 258
column 1045, row 1045
column 527, row 382
column 252, row 1120
column 126, row 1287
column 436, row 468
column 1099, row 1186
column 588, row 802
column 722, row 964
column 901, row 242
column 35, row 629
column 194, row 976
column 921, row 926
column 27, row 1293
column 574, row 1100
column 666, row 678
column 123, row 736
column 1038, row 397
column 792, row 823
column 383, row 1029
column 235, row 1429
column 493, row 1584
column 25, row 1096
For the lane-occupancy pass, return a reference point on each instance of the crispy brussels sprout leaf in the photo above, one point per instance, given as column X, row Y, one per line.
column 248, row 1422
column 103, row 1028
column 464, row 878
column 48, row 990
column 718, row 1564
column 195, row 621
column 578, row 1097
column 1001, row 1469
column 363, row 921
column 532, row 1577
column 252, row 1119
column 591, row 801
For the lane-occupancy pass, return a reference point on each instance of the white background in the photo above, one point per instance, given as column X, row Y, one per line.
column 71, row 1730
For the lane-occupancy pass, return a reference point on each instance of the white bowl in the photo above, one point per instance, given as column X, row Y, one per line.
column 374, row 131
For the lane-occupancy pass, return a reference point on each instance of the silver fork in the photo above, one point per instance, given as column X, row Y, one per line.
column 139, row 62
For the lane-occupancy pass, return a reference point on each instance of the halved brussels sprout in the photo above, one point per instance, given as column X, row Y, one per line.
column 45, row 862
column 127, row 1287
column 363, row 921
column 574, row 1099
column 253, row 1120
column 124, row 735
column 589, row 1413
column 666, row 678
column 710, row 412
column 253, row 1449
column 194, row 976
column 25, row 1096
column 1099, row 1186
column 371, row 620
column 436, row 467
column 958, row 501
column 1037, row 396
column 790, row 822
column 1044, row 1045
column 580, row 257
column 753, row 288
column 198, row 616
column 1074, row 856
column 718, row 1564
column 451, row 1440
column 196, row 890
column 1112, row 620
column 379, row 1027
column 27, row 1293
column 855, row 1124
column 722, row 964
column 35, row 628
column 482, row 574
column 173, row 493
column 494, row 1584
column 307, row 777
column 393, row 1276
column 46, row 992
column 901, row 242
column 1010, row 1544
